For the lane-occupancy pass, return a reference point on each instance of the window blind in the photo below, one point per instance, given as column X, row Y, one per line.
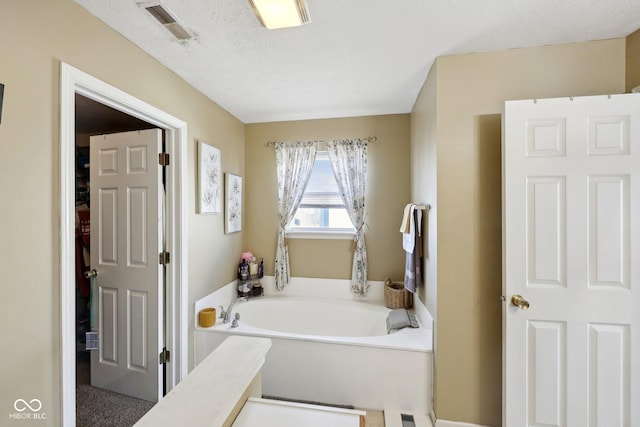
column 322, row 189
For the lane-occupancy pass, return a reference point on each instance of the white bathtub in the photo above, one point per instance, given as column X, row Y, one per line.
column 307, row 316
column 330, row 346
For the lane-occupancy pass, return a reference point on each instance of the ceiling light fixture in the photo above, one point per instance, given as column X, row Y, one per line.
column 274, row 14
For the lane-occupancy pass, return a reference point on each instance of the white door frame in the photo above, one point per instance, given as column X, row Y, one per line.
column 72, row 82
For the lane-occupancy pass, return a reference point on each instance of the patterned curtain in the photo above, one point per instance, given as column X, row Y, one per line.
column 294, row 161
column 349, row 161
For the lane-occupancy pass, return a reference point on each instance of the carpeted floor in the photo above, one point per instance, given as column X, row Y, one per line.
column 96, row 407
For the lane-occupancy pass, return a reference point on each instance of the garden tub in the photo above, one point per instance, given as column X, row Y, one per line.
column 330, row 349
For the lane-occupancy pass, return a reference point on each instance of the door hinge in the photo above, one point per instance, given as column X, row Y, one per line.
column 164, row 258
column 165, row 356
column 163, row 159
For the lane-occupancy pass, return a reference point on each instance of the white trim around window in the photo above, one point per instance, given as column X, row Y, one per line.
column 324, row 233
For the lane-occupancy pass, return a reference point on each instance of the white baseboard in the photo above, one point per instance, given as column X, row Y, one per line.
column 445, row 423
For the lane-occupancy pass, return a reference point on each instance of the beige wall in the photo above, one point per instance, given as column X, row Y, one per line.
column 424, row 188
column 469, row 94
column 633, row 61
column 388, row 190
column 35, row 36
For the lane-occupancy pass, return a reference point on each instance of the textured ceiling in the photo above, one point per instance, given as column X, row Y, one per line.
column 356, row 57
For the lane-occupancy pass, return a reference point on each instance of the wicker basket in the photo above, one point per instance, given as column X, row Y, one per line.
column 396, row 296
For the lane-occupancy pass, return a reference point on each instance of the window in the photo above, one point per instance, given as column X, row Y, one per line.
column 321, row 208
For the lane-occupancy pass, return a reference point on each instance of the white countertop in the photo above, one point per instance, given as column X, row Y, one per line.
column 211, row 392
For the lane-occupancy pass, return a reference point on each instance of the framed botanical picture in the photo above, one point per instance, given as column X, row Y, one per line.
column 233, row 203
column 209, row 179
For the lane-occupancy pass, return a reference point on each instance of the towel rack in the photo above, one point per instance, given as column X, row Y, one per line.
column 424, row 207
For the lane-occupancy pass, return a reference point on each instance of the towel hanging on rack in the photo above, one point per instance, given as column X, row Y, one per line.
column 413, row 219
column 412, row 244
column 406, row 218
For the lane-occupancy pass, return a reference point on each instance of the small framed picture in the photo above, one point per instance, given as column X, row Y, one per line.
column 233, row 203
column 209, row 179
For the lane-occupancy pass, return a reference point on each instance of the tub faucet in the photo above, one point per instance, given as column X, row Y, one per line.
column 226, row 315
column 236, row 321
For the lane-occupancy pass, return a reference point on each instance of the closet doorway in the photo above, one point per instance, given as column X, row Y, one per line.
column 95, row 404
column 79, row 87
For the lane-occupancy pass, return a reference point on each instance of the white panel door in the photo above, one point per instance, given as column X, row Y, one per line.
column 571, row 224
column 125, row 243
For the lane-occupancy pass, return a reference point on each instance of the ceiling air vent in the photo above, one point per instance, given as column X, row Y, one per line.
column 167, row 20
column 304, row 13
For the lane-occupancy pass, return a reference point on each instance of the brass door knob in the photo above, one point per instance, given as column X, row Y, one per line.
column 520, row 302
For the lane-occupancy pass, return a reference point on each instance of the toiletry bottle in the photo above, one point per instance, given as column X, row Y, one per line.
column 240, row 270
column 244, row 270
column 261, row 268
column 253, row 267
column 239, row 285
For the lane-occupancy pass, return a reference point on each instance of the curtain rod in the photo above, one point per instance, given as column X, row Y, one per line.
column 369, row 139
